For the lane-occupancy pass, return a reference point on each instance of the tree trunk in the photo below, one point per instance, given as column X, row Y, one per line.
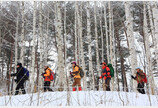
column 91, row 72
column 107, row 37
column 155, row 17
column 102, row 39
column 130, row 36
column 148, row 54
column 96, row 38
column 61, row 72
column 22, row 36
column 76, row 35
column 33, row 49
column 41, row 45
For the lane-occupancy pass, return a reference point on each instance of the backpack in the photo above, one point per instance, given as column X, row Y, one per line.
column 26, row 73
column 111, row 69
column 52, row 75
column 81, row 72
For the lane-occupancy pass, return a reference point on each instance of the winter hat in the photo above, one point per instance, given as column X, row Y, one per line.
column 19, row 64
column 73, row 62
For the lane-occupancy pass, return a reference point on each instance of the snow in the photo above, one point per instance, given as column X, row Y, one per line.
column 81, row 98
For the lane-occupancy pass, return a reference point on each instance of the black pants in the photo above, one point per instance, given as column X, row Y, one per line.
column 107, row 84
column 20, row 85
column 140, row 88
column 47, row 86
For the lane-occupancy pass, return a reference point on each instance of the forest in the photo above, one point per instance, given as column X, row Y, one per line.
column 37, row 33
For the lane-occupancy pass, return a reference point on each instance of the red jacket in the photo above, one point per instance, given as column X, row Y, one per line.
column 105, row 73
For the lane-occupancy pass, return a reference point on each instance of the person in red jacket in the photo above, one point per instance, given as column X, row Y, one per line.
column 47, row 80
column 106, row 75
column 141, row 79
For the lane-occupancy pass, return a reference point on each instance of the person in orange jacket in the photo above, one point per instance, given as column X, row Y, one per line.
column 76, row 75
column 106, row 75
column 46, row 77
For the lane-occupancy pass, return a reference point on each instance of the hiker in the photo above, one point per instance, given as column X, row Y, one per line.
column 47, row 79
column 141, row 79
column 21, row 77
column 106, row 75
column 76, row 76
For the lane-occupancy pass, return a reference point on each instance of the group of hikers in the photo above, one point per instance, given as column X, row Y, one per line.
column 22, row 75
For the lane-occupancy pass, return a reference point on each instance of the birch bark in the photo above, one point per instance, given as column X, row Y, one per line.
column 96, row 37
column 76, row 35
column 155, row 17
column 41, row 40
column 22, row 36
column 60, row 48
column 107, row 37
column 130, row 36
column 79, row 14
column 33, row 48
column 90, row 45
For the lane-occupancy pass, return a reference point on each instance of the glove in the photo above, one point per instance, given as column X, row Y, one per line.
column 132, row 76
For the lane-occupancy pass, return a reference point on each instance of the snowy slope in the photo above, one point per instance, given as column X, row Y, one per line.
column 81, row 98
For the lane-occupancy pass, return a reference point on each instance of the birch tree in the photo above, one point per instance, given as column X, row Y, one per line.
column 107, row 37
column 112, row 43
column 65, row 36
column 102, row 39
column 33, row 48
column 130, row 37
column 155, row 17
column 60, row 47
column 110, row 32
column 41, row 41
column 22, row 36
column 79, row 18
column 148, row 52
column 46, row 37
column 96, row 38
column 76, row 35
column 90, row 45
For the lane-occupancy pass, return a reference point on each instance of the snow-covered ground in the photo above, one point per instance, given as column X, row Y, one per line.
column 81, row 98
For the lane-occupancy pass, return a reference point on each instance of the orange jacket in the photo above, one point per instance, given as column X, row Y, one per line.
column 47, row 74
column 76, row 72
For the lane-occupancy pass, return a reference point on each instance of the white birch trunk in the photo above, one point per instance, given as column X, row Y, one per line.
column 16, row 40
column 130, row 36
column 96, row 38
column 76, row 35
column 114, row 53
column 151, row 22
column 41, row 45
column 46, row 39
column 155, row 17
column 107, row 37
column 61, row 72
column 148, row 54
column 102, row 39
column 65, row 36
column 41, row 40
column 33, row 48
column 90, row 45
column 22, row 36
column 81, row 45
